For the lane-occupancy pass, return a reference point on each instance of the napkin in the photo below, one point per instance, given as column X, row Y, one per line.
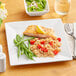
column 75, row 39
column 70, row 39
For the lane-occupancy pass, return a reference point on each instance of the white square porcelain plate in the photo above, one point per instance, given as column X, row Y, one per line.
column 13, row 28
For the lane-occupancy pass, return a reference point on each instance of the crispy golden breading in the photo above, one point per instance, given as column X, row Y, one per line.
column 31, row 31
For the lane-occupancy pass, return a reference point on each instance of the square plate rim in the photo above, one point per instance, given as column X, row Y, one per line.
column 28, row 21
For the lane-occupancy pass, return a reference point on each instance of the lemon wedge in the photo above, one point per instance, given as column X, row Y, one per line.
column 39, row 30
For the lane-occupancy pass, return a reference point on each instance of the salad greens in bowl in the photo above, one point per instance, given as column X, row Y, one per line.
column 36, row 7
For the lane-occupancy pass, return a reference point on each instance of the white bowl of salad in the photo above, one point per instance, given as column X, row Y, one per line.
column 36, row 7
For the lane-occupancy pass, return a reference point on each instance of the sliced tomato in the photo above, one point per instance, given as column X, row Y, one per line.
column 55, row 52
column 51, row 43
column 42, row 49
column 32, row 42
column 42, row 42
column 38, row 38
column 45, row 50
column 59, row 39
column 39, row 46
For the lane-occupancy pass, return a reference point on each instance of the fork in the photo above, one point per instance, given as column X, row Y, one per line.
column 70, row 32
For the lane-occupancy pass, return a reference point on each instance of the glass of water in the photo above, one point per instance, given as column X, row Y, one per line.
column 62, row 6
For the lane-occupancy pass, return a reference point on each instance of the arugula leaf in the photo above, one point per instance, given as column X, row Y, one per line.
column 29, row 0
column 40, row 10
column 44, row 3
column 37, row 0
column 28, row 3
column 31, row 9
column 40, row 6
column 1, row 21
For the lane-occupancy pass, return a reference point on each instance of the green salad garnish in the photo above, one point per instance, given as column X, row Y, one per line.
column 35, row 5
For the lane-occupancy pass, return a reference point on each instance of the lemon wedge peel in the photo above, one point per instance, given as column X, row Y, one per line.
column 39, row 30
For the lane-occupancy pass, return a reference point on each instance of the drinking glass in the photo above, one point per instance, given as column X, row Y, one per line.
column 62, row 6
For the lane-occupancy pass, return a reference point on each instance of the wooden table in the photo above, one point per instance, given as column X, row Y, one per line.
column 16, row 12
